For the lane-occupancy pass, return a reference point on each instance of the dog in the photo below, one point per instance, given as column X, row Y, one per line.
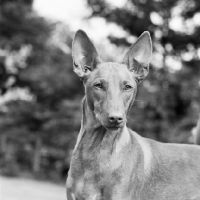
column 110, row 161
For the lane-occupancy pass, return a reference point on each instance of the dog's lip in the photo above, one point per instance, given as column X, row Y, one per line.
column 113, row 127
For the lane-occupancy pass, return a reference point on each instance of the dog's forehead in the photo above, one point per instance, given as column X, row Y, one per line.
column 112, row 70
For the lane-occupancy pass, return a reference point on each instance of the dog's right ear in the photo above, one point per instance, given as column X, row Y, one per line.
column 85, row 55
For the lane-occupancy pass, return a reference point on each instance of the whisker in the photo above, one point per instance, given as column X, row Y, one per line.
column 130, row 118
column 140, row 100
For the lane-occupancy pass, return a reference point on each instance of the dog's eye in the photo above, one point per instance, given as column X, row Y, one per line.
column 98, row 86
column 128, row 87
column 86, row 68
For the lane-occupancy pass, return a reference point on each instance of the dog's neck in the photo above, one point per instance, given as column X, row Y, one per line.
column 104, row 147
column 99, row 135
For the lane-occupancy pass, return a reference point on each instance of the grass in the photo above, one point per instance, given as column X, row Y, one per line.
column 26, row 189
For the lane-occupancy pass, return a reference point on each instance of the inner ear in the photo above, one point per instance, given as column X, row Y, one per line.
column 139, row 55
column 139, row 70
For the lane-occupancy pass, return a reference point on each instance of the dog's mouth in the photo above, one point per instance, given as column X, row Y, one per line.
column 113, row 127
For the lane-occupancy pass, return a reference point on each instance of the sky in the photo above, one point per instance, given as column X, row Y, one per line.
column 68, row 11
column 72, row 12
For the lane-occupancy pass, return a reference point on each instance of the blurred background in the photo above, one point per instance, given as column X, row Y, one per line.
column 40, row 96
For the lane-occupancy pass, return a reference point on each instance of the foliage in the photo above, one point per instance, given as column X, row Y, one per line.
column 38, row 132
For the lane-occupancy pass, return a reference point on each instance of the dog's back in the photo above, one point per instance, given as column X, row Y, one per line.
column 173, row 170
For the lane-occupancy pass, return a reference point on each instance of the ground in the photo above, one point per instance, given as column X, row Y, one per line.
column 26, row 189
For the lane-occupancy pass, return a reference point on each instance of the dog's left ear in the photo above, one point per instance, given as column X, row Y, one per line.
column 85, row 55
column 138, row 56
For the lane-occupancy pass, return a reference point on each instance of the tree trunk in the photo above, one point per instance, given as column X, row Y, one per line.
column 196, row 132
column 37, row 154
column 3, row 140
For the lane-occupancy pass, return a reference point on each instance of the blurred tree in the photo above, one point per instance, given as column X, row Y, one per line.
column 169, row 97
column 21, row 29
column 35, row 56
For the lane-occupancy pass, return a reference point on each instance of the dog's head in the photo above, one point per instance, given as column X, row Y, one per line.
column 111, row 87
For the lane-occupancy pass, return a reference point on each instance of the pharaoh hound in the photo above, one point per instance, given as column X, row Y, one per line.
column 110, row 161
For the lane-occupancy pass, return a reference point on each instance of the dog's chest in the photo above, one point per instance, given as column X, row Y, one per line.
column 98, row 175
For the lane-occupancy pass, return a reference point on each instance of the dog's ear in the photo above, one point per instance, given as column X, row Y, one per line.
column 138, row 56
column 85, row 55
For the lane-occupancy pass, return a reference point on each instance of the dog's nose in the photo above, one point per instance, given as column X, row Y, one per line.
column 115, row 118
